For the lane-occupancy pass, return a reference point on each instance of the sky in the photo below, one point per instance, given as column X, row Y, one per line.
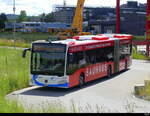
column 36, row 7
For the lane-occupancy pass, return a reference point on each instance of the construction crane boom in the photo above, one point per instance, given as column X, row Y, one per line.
column 78, row 17
column 76, row 27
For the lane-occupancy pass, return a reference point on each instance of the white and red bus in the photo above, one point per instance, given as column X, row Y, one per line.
column 72, row 62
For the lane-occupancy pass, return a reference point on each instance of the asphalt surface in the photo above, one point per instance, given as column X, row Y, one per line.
column 102, row 95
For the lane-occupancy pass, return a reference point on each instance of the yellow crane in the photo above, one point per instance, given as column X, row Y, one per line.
column 76, row 27
column 78, row 17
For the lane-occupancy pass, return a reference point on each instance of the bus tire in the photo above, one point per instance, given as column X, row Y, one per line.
column 109, row 72
column 126, row 65
column 81, row 80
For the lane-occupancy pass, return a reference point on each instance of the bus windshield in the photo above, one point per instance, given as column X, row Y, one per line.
column 48, row 60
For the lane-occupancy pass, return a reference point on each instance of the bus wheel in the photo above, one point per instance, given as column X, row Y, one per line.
column 126, row 65
column 109, row 72
column 81, row 80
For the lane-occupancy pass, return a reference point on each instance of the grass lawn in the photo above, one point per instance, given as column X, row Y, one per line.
column 21, row 39
column 25, row 37
column 140, row 56
column 14, row 70
column 139, row 38
column 14, row 75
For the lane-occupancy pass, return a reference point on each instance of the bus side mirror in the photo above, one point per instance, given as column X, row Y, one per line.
column 24, row 52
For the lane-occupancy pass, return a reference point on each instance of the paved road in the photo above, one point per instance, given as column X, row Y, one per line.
column 103, row 95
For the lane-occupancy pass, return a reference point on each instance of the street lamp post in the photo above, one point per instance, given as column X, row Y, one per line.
column 14, row 30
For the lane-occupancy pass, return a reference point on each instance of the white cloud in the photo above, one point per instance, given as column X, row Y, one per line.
column 36, row 7
column 4, row 8
column 32, row 7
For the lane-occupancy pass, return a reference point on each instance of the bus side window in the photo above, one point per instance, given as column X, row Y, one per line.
column 80, row 58
column 130, row 49
column 71, row 64
column 71, row 58
column 100, row 55
column 109, row 53
column 104, row 54
column 91, row 56
column 76, row 59
column 125, row 50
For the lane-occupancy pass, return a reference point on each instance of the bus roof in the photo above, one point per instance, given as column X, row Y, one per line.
column 73, row 42
column 89, row 39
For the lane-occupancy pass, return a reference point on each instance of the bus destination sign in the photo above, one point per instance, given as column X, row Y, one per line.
column 48, row 48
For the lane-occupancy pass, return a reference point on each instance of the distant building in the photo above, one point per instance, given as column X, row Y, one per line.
column 133, row 23
column 31, row 26
column 142, row 6
column 43, row 26
column 132, row 4
column 51, row 27
column 11, row 17
column 64, row 15
column 34, row 18
column 10, row 25
column 37, row 26
column 103, row 26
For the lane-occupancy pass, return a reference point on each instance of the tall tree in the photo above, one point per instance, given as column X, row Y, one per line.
column 46, row 17
column 42, row 17
column 3, row 19
column 23, row 16
column 49, row 17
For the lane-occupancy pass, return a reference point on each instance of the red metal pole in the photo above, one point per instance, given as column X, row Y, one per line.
column 118, row 16
column 148, row 26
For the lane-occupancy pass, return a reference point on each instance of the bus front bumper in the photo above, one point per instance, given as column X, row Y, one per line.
column 49, row 81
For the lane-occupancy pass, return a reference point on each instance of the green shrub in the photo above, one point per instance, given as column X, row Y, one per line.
column 136, row 55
